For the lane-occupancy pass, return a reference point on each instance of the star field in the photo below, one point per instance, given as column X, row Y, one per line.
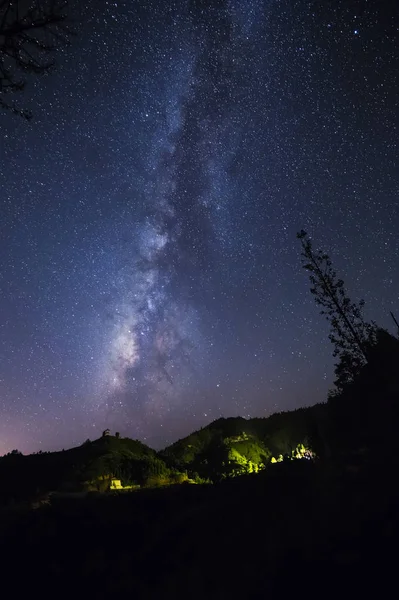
column 150, row 277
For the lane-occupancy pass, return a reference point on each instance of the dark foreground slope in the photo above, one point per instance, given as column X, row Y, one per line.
column 298, row 529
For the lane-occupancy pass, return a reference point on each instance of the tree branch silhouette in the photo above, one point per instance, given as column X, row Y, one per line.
column 30, row 34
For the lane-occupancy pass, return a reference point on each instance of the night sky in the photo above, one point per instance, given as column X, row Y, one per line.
column 151, row 279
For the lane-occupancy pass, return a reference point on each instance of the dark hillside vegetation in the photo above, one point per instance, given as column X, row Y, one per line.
column 225, row 448
column 236, row 446
column 88, row 467
column 296, row 528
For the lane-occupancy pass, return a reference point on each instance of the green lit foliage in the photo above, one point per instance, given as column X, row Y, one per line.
column 251, row 455
column 234, row 446
column 301, row 452
column 226, row 448
column 279, row 458
column 110, row 457
column 229, row 457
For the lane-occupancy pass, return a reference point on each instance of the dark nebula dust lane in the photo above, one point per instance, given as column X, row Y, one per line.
column 150, row 275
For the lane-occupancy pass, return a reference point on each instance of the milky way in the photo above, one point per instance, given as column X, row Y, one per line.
column 150, row 275
column 149, row 362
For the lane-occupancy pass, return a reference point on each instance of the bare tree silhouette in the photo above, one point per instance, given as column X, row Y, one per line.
column 30, row 33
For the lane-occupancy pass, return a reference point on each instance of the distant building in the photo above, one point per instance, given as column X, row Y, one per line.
column 106, row 432
column 117, row 434
column 117, row 485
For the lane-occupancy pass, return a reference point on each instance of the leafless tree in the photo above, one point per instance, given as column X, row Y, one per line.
column 350, row 333
column 30, row 33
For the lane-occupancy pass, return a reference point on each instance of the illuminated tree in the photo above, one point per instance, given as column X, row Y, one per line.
column 350, row 334
column 30, row 32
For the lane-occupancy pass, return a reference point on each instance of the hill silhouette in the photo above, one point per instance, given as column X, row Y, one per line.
column 224, row 448
column 89, row 467
column 234, row 446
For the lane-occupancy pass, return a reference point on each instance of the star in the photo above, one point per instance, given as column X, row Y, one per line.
column 150, row 273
